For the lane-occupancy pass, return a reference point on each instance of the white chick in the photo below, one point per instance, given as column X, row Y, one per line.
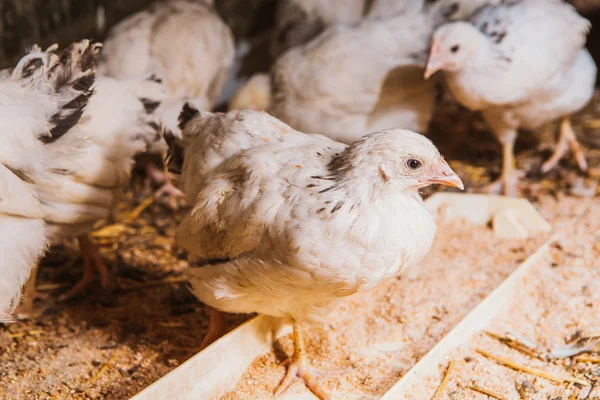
column 522, row 64
column 290, row 227
column 183, row 43
column 92, row 165
column 41, row 100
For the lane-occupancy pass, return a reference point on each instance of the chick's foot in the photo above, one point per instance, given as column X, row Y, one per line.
column 27, row 308
column 567, row 140
column 298, row 366
column 92, row 264
column 168, row 189
column 507, row 184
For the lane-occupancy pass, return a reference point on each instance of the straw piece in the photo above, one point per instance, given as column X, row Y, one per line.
column 445, row 381
column 488, row 392
column 531, row 370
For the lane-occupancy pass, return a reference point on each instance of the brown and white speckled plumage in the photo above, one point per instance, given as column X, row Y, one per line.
column 41, row 102
column 287, row 223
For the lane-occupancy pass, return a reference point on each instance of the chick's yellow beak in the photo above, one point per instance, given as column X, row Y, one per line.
column 434, row 62
column 442, row 174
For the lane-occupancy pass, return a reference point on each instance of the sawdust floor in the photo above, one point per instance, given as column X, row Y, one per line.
column 110, row 345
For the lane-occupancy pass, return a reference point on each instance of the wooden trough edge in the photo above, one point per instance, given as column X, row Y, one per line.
column 474, row 322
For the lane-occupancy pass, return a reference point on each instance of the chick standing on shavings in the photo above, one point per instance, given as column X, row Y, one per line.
column 289, row 227
column 41, row 99
column 354, row 79
column 187, row 46
column 522, row 64
column 91, row 166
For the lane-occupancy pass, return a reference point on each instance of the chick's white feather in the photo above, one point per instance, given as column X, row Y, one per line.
column 293, row 223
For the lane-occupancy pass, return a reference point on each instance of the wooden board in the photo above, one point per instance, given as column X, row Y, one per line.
column 473, row 323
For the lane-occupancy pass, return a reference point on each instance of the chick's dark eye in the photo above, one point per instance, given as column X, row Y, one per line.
column 455, row 48
column 413, row 164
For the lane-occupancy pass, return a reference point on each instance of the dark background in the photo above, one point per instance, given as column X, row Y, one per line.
column 45, row 22
column 25, row 22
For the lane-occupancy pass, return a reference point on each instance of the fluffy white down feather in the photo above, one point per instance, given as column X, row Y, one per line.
column 184, row 43
column 286, row 223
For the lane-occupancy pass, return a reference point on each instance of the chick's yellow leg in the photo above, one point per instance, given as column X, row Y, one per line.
column 92, row 264
column 298, row 366
column 566, row 140
column 509, row 180
column 217, row 328
column 26, row 308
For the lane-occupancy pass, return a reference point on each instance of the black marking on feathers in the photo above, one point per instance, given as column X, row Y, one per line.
column 188, row 113
column 210, row 261
column 367, row 7
column 311, row 185
column 154, row 78
column 67, row 117
column 298, row 29
column 84, row 83
column 31, row 66
column 337, row 206
column 326, row 190
column 62, row 171
column 383, row 175
column 325, row 178
column 150, row 105
column 500, row 37
column 320, row 210
column 20, row 174
column 89, row 57
column 451, row 10
column 175, row 154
